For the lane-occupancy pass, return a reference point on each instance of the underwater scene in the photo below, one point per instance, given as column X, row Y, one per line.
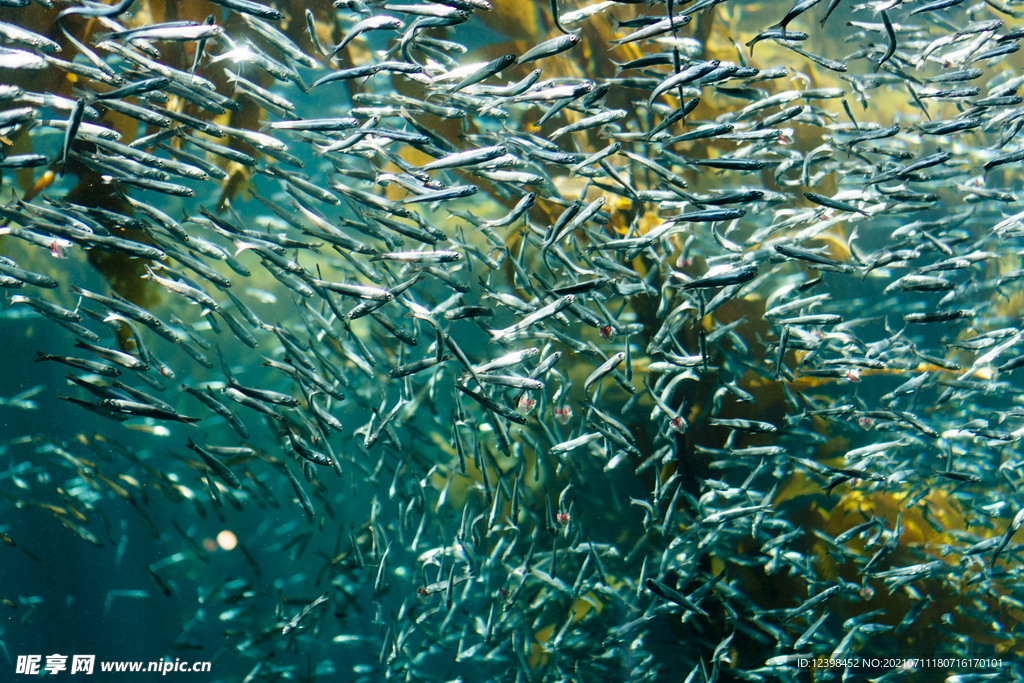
column 526, row 341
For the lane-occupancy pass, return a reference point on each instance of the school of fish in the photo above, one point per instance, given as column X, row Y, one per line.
column 661, row 347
